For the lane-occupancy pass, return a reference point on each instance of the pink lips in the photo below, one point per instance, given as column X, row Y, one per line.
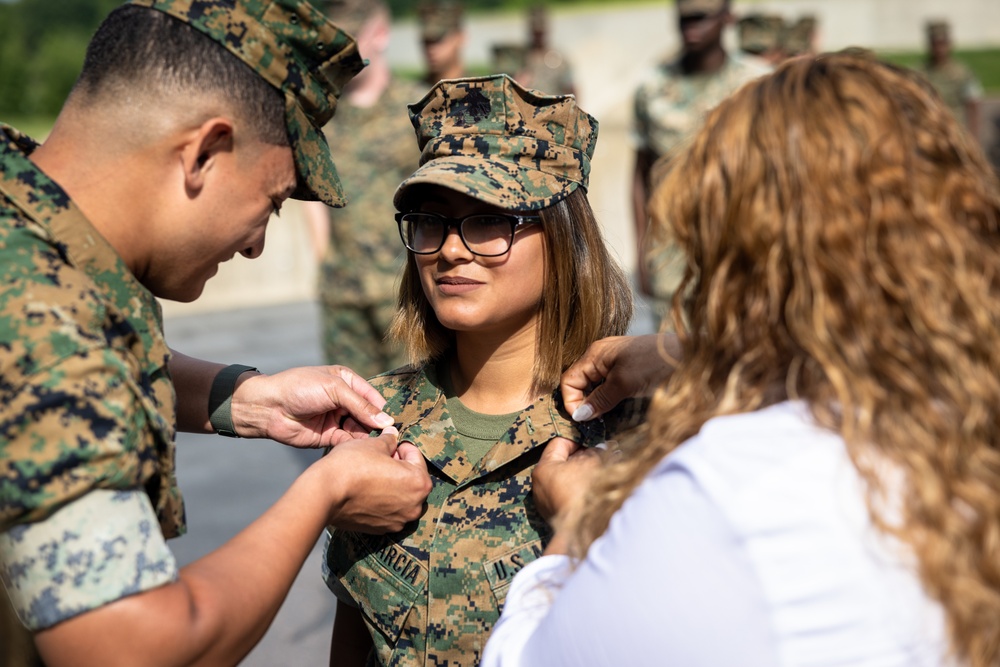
column 457, row 284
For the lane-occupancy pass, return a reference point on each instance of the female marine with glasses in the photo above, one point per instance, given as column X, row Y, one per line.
column 507, row 282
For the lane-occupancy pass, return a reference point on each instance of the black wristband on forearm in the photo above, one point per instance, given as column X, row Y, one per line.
column 220, row 399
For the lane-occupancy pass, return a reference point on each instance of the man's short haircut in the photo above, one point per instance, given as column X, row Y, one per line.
column 137, row 49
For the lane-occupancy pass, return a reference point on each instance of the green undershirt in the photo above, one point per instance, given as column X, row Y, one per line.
column 479, row 431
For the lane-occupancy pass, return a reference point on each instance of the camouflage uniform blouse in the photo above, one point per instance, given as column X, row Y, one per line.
column 957, row 86
column 86, row 401
column 431, row 594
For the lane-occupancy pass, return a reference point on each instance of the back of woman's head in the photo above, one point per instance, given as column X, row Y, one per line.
column 834, row 214
column 843, row 248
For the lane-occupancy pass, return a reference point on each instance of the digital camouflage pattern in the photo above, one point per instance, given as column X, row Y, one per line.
column 492, row 139
column 360, row 270
column 431, row 593
column 957, row 86
column 669, row 106
column 799, row 38
column 760, row 33
column 297, row 50
column 60, row 567
column 86, row 400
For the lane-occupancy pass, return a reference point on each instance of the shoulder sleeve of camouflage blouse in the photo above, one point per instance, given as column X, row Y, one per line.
column 97, row 549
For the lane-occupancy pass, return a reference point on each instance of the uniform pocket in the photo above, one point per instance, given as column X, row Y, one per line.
column 383, row 578
column 500, row 571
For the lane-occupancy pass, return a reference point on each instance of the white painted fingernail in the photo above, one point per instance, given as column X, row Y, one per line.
column 583, row 413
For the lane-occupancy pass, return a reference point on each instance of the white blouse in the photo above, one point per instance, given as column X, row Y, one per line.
column 749, row 545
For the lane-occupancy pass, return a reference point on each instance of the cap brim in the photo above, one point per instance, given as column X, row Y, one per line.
column 495, row 182
column 317, row 175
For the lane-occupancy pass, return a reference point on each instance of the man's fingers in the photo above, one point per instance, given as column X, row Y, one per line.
column 410, row 454
column 559, row 449
column 361, row 406
column 360, row 386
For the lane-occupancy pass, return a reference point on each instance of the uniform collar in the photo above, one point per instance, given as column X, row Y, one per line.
column 428, row 426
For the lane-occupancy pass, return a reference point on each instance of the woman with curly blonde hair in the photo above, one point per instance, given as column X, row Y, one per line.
column 819, row 481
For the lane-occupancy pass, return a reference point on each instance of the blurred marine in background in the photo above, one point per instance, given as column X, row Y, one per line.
column 670, row 104
column 952, row 79
column 443, row 38
column 358, row 246
column 545, row 68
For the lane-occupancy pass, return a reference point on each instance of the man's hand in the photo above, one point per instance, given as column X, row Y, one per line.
column 316, row 406
column 560, row 480
column 613, row 369
column 380, row 487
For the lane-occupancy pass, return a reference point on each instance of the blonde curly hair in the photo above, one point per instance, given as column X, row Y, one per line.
column 841, row 233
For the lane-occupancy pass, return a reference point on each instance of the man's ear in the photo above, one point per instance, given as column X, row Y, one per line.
column 202, row 150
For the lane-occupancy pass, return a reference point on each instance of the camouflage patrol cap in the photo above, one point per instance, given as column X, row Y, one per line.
column 492, row 139
column 760, row 33
column 292, row 46
column 938, row 30
column 694, row 7
column 798, row 37
column 439, row 19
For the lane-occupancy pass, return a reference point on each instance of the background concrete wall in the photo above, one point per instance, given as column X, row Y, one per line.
column 609, row 46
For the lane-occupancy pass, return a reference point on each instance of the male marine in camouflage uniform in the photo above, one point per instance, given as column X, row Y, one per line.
column 952, row 79
column 670, row 105
column 360, row 253
column 430, row 594
column 545, row 68
column 153, row 174
column 443, row 38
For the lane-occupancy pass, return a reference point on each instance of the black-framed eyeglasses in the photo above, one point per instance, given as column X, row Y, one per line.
column 484, row 234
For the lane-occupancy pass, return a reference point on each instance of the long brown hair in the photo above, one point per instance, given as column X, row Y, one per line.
column 586, row 296
column 841, row 231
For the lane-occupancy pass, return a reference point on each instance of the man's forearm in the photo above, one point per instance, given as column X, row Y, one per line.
column 192, row 380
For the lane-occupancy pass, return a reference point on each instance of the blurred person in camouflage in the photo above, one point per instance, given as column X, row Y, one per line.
column 508, row 58
column 669, row 105
column 358, row 246
column 507, row 281
column 954, row 81
column 760, row 37
column 545, row 68
column 799, row 38
column 191, row 123
column 442, row 36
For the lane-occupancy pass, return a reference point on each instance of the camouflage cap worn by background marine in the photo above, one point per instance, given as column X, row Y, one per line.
column 294, row 48
column 800, row 36
column 698, row 7
column 439, row 19
column 494, row 140
column 938, row 31
column 760, row 33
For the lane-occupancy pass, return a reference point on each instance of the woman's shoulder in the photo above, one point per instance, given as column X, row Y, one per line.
column 775, row 447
